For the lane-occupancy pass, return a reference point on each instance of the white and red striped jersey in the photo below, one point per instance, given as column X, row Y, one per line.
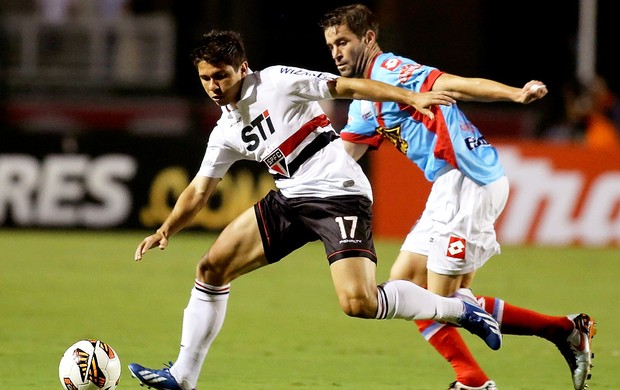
column 279, row 122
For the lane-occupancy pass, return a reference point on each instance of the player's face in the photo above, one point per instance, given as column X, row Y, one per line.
column 222, row 83
column 346, row 49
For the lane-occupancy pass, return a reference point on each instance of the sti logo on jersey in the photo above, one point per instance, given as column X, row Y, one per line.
column 277, row 162
column 456, row 248
column 253, row 138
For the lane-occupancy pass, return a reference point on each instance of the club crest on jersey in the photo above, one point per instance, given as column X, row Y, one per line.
column 394, row 136
column 456, row 247
column 276, row 161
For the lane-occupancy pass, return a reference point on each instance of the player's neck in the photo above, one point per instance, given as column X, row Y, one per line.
column 367, row 59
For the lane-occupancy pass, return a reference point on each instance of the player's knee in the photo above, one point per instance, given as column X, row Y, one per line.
column 212, row 268
column 360, row 307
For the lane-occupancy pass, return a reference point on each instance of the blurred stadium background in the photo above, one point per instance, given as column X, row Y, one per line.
column 104, row 122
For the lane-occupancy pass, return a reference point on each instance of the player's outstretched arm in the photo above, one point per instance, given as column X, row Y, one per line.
column 532, row 90
column 193, row 199
column 485, row 90
column 377, row 91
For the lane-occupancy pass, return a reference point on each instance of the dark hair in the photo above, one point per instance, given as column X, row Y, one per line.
column 357, row 17
column 220, row 48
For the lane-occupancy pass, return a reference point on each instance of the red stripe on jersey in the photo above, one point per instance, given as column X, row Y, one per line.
column 443, row 147
column 427, row 85
column 371, row 67
column 294, row 140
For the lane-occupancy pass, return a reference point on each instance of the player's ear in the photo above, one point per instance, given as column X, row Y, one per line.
column 369, row 37
column 244, row 69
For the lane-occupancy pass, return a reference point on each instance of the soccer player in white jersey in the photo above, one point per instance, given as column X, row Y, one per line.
column 273, row 116
column 455, row 235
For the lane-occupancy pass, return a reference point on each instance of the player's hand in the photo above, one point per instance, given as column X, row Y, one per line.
column 533, row 90
column 423, row 101
column 156, row 239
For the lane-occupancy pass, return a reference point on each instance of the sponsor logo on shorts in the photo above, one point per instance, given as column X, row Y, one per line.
column 350, row 241
column 456, row 248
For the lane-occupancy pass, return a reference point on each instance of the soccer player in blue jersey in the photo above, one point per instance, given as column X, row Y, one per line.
column 455, row 235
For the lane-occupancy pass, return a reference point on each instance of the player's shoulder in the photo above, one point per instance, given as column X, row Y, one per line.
column 282, row 70
column 297, row 72
column 391, row 62
column 391, row 68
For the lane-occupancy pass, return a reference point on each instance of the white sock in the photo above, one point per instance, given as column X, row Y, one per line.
column 466, row 294
column 202, row 320
column 407, row 300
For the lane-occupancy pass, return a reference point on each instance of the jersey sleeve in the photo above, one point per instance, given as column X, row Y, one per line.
column 361, row 127
column 218, row 157
column 301, row 84
column 405, row 73
column 433, row 75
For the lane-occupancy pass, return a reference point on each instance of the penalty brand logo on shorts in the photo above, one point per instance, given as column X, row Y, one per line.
column 456, row 248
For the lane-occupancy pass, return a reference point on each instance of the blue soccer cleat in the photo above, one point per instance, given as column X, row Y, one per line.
column 156, row 379
column 482, row 324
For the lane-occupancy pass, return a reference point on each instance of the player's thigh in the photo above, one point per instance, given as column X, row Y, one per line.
column 409, row 266
column 237, row 250
column 446, row 285
column 355, row 285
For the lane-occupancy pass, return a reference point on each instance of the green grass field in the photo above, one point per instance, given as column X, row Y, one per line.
column 284, row 328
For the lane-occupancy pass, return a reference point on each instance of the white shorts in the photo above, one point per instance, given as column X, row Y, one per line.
column 456, row 230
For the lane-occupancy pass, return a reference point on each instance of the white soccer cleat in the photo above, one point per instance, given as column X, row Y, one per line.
column 488, row 385
column 577, row 349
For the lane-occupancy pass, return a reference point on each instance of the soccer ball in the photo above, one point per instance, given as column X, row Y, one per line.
column 89, row 365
